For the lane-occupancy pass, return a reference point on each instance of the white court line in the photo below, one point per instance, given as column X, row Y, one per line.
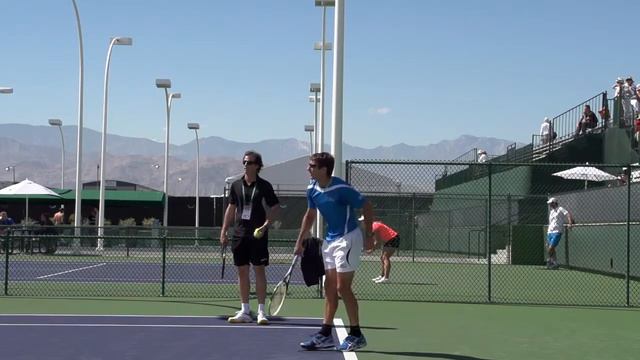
column 72, row 270
column 342, row 333
column 150, row 316
column 162, row 326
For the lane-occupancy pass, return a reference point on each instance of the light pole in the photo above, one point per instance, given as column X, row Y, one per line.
column 338, row 76
column 11, row 168
column 309, row 129
column 323, row 46
column 166, row 84
column 195, row 127
column 78, row 205
column 103, row 147
column 58, row 124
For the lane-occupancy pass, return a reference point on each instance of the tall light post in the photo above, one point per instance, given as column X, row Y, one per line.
column 166, row 85
column 323, row 46
column 103, row 147
column 309, row 129
column 78, row 205
column 11, row 168
column 338, row 67
column 195, row 127
column 58, row 123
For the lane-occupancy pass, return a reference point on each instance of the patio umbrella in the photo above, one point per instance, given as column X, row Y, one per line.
column 586, row 173
column 26, row 188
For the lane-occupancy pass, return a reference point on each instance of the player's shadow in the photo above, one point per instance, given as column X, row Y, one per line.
column 426, row 355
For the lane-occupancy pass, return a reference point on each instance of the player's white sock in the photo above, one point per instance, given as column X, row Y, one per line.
column 261, row 308
column 245, row 308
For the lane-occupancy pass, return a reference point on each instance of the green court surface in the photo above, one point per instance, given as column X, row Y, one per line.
column 410, row 330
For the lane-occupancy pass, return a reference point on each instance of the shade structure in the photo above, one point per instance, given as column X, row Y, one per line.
column 27, row 188
column 586, row 173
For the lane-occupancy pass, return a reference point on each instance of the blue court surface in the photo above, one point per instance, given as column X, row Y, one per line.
column 158, row 337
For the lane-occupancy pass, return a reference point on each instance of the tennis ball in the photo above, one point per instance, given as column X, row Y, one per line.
column 257, row 233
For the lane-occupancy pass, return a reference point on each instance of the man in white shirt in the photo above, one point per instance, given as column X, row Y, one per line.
column 558, row 217
column 482, row 156
column 546, row 131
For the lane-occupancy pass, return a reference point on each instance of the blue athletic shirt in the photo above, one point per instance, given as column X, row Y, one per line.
column 336, row 203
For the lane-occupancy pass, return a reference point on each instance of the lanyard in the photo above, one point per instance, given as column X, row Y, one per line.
column 244, row 199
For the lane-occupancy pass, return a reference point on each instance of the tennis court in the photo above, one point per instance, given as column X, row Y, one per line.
column 394, row 330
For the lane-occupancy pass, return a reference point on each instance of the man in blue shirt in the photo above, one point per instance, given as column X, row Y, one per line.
column 336, row 200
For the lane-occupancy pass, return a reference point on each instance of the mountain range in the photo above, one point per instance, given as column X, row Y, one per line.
column 35, row 151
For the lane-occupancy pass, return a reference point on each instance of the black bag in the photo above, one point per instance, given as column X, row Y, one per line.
column 312, row 265
column 555, row 135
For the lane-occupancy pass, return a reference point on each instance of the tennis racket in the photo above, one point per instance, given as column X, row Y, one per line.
column 280, row 291
column 223, row 254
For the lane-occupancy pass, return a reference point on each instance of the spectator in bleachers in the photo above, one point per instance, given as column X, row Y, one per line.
column 617, row 87
column 605, row 115
column 628, row 95
column 636, row 134
column 633, row 89
column 482, row 156
column 547, row 134
column 589, row 120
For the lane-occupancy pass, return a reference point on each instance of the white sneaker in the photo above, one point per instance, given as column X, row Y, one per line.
column 382, row 280
column 377, row 278
column 262, row 319
column 240, row 317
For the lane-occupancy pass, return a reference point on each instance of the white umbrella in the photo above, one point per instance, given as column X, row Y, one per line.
column 26, row 188
column 586, row 173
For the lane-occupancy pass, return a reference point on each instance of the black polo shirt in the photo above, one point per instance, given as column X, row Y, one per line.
column 256, row 194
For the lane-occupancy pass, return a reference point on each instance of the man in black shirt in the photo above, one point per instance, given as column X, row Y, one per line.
column 250, row 232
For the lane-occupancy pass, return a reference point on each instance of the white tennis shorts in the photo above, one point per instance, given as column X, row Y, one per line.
column 343, row 254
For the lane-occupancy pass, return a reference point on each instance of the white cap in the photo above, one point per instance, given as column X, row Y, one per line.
column 552, row 200
column 481, row 151
column 361, row 218
column 546, row 119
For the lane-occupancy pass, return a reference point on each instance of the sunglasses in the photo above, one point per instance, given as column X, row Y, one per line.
column 247, row 162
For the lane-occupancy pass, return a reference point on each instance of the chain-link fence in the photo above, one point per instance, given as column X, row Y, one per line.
column 469, row 232
column 131, row 262
column 477, row 232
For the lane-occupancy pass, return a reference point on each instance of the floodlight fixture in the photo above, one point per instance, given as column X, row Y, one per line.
column 318, row 46
column 325, row 2
column 163, row 83
column 123, row 40
column 55, row 122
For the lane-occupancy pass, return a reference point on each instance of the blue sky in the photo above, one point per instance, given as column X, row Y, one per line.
column 416, row 71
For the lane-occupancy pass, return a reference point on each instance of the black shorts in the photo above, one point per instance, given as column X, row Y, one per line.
column 393, row 243
column 249, row 250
